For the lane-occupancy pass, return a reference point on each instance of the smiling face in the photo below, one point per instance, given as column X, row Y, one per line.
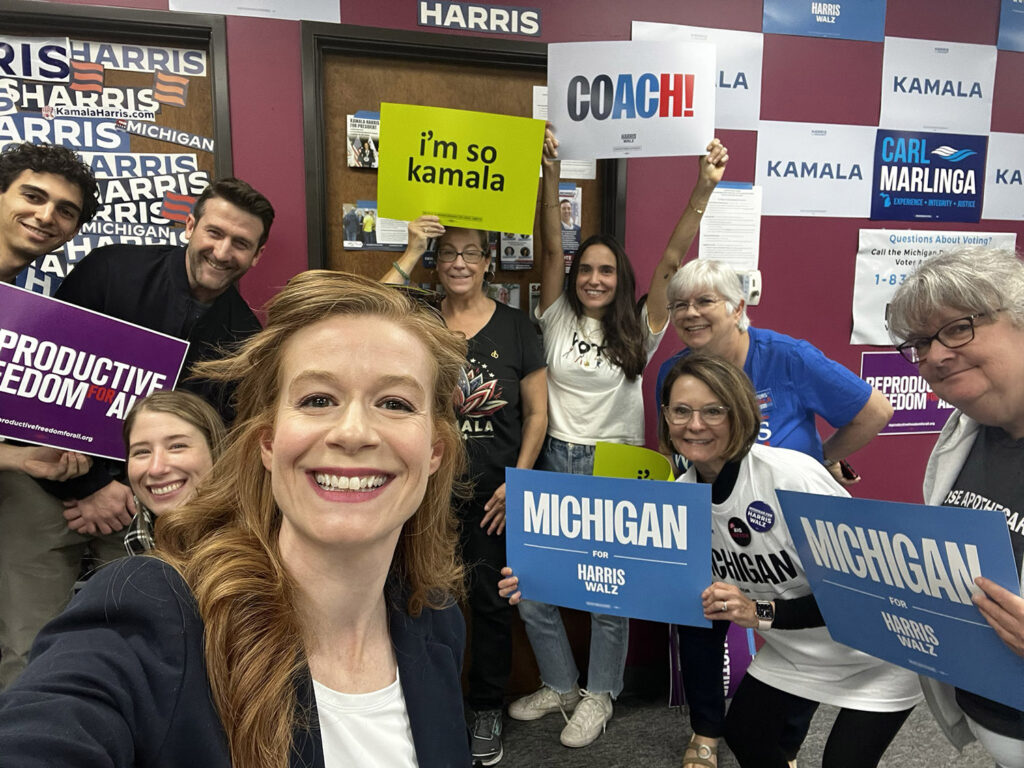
column 565, row 210
column 167, row 458
column 703, row 445
column 459, row 277
column 39, row 212
column 352, row 444
column 597, row 280
column 985, row 377
column 222, row 246
column 712, row 329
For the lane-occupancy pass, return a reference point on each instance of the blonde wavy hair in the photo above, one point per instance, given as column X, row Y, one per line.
column 224, row 541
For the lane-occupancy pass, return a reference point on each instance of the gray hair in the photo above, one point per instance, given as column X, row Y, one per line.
column 972, row 279
column 710, row 275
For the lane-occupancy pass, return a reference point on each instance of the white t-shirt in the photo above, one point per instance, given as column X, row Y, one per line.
column 365, row 728
column 589, row 398
column 804, row 662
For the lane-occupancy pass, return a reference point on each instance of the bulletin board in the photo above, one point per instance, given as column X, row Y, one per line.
column 348, row 69
column 141, row 96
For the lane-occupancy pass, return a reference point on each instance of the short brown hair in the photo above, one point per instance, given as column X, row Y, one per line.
column 733, row 390
column 241, row 195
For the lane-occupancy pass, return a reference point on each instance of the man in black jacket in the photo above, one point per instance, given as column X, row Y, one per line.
column 183, row 291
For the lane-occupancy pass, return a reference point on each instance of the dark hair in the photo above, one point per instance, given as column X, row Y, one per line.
column 240, row 194
column 55, row 159
column 623, row 334
column 733, row 390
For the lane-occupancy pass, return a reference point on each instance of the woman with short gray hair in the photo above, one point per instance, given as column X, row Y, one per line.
column 960, row 319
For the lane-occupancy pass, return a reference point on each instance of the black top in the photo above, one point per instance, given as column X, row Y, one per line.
column 119, row 679
column 993, row 478
column 501, row 354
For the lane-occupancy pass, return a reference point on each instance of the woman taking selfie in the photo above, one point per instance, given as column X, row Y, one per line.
column 299, row 611
column 503, row 415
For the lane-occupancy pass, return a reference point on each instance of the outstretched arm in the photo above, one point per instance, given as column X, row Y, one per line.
column 712, row 168
column 552, row 268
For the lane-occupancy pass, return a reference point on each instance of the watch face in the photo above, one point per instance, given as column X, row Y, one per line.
column 764, row 611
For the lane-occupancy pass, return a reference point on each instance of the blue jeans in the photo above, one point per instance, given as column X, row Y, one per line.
column 609, row 635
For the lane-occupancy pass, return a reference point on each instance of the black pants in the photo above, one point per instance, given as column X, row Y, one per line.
column 758, row 718
column 702, row 654
column 491, row 641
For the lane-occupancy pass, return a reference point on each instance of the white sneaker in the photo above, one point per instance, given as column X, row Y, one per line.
column 589, row 720
column 543, row 702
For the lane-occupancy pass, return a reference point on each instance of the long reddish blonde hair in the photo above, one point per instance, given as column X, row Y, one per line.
column 224, row 541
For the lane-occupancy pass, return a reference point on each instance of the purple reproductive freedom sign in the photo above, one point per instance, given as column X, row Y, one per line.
column 68, row 376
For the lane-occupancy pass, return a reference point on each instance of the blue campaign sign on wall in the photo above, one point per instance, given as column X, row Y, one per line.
column 847, row 19
column 895, row 580
column 1011, row 26
column 923, row 176
column 637, row 548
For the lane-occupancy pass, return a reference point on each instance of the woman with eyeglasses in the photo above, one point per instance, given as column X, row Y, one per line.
column 795, row 383
column 960, row 319
column 710, row 415
column 502, row 411
column 597, row 343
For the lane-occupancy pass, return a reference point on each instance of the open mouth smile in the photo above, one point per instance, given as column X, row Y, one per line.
column 330, row 482
column 163, row 490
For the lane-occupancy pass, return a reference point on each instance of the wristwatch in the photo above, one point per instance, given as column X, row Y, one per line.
column 765, row 613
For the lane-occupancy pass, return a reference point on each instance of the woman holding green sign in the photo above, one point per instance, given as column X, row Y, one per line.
column 597, row 343
column 502, row 411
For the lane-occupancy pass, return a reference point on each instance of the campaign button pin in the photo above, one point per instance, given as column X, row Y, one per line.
column 739, row 531
column 760, row 516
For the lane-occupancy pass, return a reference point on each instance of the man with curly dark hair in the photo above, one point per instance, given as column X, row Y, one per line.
column 46, row 194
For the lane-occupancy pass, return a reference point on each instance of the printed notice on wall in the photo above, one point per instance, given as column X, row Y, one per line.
column 884, row 259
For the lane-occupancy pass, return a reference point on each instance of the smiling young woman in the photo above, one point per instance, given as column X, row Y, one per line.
column 301, row 604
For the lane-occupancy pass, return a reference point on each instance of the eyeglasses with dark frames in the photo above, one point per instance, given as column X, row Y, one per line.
column 702, row 304
column 681, row 415
column 954, row 334
column 471, row 255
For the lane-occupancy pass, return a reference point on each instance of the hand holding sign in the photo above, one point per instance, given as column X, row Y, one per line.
column 1004, row 611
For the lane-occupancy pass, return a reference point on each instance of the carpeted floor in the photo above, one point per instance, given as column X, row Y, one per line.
column 648, row 734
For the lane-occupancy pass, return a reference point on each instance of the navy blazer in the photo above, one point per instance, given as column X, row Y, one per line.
column 119, row 679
